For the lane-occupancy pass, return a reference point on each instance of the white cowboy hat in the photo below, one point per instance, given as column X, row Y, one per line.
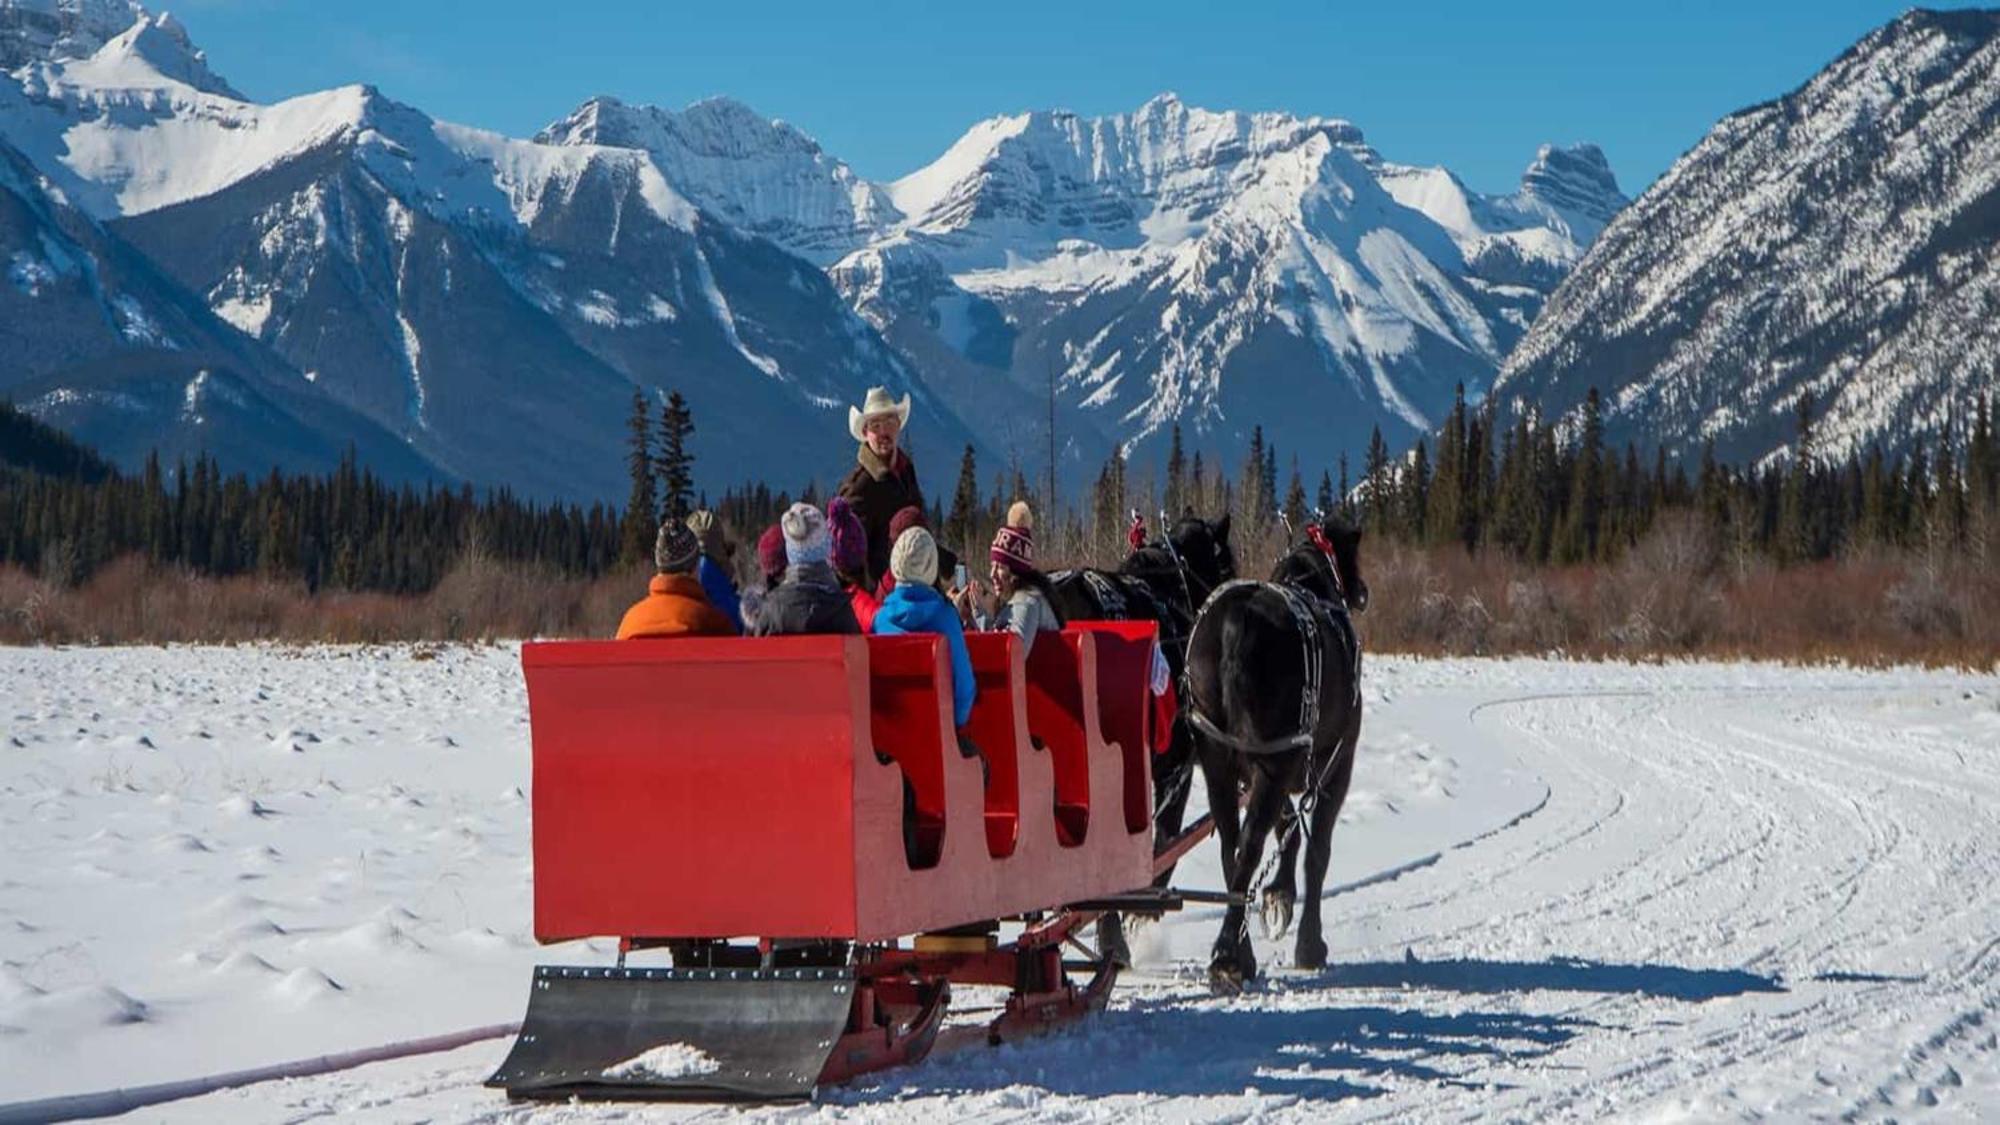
column 878, row 403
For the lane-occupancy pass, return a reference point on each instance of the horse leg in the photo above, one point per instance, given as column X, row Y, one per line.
column 1218, row 773
column 1281, row 894
column 1310, row 951
column 1233, row 960
column 1171, row 784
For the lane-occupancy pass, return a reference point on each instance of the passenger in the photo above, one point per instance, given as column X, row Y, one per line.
column 850, row 561
column 770, row 568
column 810, row 599
column 884, row 480
column 904, row 520
column 1021, row 599
column 674, row 605
column 718, row 558
column 915, row 606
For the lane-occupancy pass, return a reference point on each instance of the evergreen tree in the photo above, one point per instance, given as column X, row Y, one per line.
column 1796, row 539
column 1445, row 511
column 959, row 525
column 1295, row 501
column 1325, row 501
column 1415, row 494
column 1583, row 521
column 1257, row 501
column 676, row 461
column 1380, row 497
column 642, row 514
column 1176, row 499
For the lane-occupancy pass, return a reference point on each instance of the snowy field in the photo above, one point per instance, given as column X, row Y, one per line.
column 1559, row 891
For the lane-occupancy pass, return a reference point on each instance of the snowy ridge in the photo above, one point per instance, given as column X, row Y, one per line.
column 761, row 175
column 41, row 30
column 1177, row 265
column 1154, row 260
column 1838, row 241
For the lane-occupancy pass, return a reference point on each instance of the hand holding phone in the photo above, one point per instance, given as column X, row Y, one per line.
column 959, row 578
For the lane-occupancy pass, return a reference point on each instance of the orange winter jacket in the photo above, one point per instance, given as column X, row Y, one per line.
column 674, row 606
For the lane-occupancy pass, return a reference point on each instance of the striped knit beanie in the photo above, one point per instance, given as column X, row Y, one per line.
column 1014, row 546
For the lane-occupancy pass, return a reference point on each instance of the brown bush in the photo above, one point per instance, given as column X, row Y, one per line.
column 1676, row 594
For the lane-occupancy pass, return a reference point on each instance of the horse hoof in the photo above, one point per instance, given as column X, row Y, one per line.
column 1225, row 979
column 1276, row 915
column 1310, row 954
column 1111, row 944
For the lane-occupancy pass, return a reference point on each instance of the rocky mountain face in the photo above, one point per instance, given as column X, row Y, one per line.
column 492, row 303
column 1216, row 271
column 100, row 342
column 1838, row 242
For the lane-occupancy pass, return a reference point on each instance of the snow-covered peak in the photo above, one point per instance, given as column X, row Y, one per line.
column 761, row 174
column 1835, row 241
column 152, row 54
column 1575, row 179
column 34, row 31
column 1095, row 175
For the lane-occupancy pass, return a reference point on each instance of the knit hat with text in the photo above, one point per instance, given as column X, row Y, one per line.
column 1014, row 546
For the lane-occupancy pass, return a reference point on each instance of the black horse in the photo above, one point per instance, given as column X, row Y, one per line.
column 1166, row 582
column 1274, row 699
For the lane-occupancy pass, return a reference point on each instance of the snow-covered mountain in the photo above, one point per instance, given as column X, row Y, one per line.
column 762, row 176
column 100, row 342
column 1172, row 265
column 1220, row 270
column 1839, row 241
column 493, row 302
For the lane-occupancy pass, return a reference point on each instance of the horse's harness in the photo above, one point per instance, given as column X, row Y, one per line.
column 1313, row 617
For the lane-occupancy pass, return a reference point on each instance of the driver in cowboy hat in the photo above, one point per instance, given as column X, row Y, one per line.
column 884, row 481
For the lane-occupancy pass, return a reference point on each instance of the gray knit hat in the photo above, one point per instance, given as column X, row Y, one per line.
column 806, row 538
column 914, row 558
column 675, row 549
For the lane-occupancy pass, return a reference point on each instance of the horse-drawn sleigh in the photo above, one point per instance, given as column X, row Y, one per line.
column 795, row 821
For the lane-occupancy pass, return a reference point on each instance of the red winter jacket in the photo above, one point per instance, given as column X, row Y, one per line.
column 865, row 602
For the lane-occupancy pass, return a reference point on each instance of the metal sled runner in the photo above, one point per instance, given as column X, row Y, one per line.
column 796, row 821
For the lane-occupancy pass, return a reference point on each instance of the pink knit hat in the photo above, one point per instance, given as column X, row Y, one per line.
column 1014, row 546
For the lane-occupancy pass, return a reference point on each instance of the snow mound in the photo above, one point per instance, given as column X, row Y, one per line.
column 668, row 1060
column 181, row 842
column 243, row 963
column 72, row 1010
column 306, row 986
column 243, row 806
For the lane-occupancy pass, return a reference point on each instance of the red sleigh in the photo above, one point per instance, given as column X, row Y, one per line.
column 783, row 812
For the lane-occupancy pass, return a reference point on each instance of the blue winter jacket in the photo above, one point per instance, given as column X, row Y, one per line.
column 715, row 582
column 911, row 608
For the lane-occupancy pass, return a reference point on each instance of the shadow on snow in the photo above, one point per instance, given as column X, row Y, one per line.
column 1183, row 1048
column 1272, row 1041
column 1557, row 974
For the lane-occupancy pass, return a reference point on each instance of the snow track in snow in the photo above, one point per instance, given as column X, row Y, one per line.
column 1558, row 891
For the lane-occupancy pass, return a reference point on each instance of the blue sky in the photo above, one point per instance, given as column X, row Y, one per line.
column 886, row 87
